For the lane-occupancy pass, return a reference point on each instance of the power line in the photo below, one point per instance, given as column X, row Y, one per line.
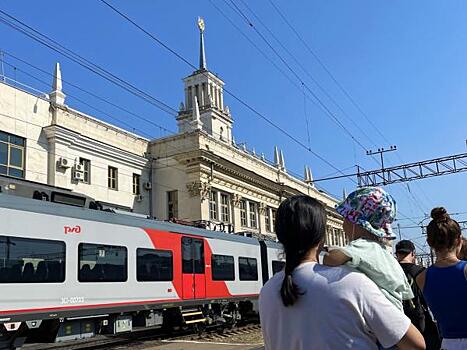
column 320, row 103
column 307, row 72
column 101, row 99
column 127, row 86
column 235, row 97
column 93, row 107
column 321, row 63
column 340, row 86
column 57, row 47
column 123, row 109
column 242, row 102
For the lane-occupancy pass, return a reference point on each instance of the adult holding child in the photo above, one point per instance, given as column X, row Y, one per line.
column 368, row 213
column 311, row 306
column 444, row 284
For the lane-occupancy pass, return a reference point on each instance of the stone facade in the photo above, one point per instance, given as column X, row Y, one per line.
column 214, row 180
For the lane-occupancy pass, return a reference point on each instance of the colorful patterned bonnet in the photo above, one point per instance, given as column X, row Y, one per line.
column 371, row 208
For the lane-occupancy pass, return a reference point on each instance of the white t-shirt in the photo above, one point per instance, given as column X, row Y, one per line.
column 339, row 309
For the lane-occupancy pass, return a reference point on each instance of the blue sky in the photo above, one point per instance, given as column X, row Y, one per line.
column 402, row 62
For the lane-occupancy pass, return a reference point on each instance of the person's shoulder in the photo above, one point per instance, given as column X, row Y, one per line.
column 345, row 275
column 412, row 269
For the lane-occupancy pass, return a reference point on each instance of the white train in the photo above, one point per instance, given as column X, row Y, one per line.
column 69, row 272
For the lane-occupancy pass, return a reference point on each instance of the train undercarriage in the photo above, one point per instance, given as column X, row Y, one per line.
column 14, row 335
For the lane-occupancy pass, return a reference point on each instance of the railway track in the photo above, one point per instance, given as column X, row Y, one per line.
column 222, row 334
column 142, row 338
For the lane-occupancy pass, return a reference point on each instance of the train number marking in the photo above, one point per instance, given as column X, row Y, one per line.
column 72, row 300
column 69, row 230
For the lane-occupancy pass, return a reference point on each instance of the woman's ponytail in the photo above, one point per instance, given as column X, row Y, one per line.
column 289, row 290
column 300, row 226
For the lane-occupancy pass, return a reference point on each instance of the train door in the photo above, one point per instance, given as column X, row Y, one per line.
column 194, row 281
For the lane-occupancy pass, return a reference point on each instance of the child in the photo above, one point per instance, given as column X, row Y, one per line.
column 368, row 213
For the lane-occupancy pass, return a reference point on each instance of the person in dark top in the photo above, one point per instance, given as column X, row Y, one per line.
column 416, row 309
column 444, row 284
column 463, row 253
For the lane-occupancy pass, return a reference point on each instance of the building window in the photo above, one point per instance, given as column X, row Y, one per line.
column 86, row 163
column 225, row 208
column 154, row 265
column 267, row 219
column 102, row 263
column 253, row 215
column 26, row 260
column 136, row 184
column 172, row 204
column 213, row 205
column 222, row 268
column 273, row 220
column 248, row 269
column 113, row 178
column 243, row 217
column 12, row 155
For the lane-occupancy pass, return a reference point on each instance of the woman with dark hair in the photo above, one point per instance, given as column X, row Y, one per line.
column 311, row 306
column 444, row 284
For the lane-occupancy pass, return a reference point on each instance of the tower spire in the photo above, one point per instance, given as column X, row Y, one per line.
column 57, row 96
column 202, row 55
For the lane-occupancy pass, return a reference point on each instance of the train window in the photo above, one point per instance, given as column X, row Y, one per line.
column 222, row 268
column 277, row 266
column 102, row 263
column 192, row 255
column 154, row 265
column 25, row 260
column 248, row 269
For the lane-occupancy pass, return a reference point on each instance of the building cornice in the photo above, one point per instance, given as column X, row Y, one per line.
column 101, row 123
column 79, row 142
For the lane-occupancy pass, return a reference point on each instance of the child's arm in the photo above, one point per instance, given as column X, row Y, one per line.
column 335, row 258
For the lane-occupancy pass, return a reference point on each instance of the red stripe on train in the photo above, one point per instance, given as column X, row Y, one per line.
column 74, row 307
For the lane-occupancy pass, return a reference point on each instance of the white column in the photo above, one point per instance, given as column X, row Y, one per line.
column 202, row 101
column 221, row 99
column 219, row 203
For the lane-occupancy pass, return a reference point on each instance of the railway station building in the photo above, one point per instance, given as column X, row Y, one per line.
column 197, row 175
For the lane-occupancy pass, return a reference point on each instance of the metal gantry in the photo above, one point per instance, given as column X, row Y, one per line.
column 413, row 171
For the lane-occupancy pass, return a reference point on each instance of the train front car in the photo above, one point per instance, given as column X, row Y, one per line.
column 69, row 273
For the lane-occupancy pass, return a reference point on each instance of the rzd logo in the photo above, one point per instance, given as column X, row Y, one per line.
column 70, row 230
